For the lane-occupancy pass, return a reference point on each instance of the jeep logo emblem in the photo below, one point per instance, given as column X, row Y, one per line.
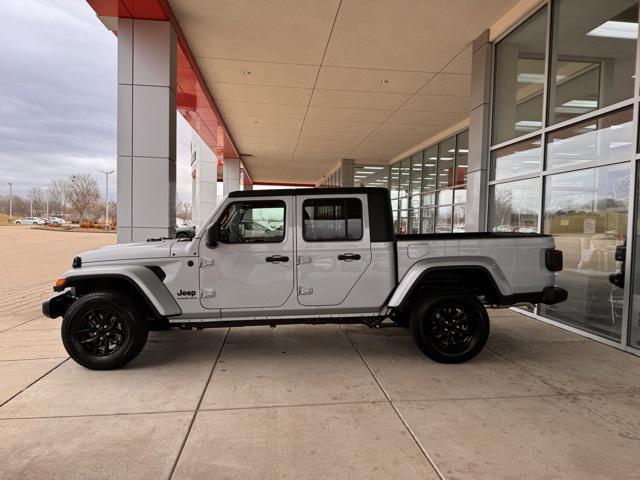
column 186, row 293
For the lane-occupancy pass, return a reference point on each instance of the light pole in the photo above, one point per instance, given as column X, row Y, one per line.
column 107, row 227
column 10, row 201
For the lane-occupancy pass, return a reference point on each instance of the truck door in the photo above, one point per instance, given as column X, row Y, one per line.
column 253, row 263
column 333, row 247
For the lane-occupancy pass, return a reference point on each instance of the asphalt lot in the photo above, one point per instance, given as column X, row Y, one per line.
column 303, row 402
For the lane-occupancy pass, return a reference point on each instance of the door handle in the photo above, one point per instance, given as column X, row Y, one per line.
column 349, row 257
column 277, row 259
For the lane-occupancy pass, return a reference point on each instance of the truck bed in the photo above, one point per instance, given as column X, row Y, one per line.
column 515, row 260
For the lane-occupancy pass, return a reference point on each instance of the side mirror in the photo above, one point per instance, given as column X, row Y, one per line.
column 213, row 235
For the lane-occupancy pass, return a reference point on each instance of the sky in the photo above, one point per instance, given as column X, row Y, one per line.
column 58, row 97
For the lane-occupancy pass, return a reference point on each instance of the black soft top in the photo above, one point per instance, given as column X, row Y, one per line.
column 380, row 216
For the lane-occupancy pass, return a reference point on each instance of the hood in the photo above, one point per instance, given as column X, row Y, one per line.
column 128, row 251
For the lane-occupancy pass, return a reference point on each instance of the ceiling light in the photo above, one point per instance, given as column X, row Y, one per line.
column 531, row 78
column 246, row 72
column 528, row 125
column 384, row 82
column 581, row 104
column 613, row 29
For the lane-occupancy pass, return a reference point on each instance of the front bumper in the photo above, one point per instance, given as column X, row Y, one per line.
column 57, row 305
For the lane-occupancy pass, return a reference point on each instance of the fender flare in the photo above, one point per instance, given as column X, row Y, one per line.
column 142, row 279
column 422, row 268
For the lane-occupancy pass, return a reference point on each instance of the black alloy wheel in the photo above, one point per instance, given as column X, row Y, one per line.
column 103, row 331
column 450, row 326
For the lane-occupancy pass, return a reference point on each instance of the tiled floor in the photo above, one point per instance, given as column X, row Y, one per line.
column 316, row 402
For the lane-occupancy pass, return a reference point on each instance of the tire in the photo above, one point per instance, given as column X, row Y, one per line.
column 18, row 222
column 182, row 235
column 450, row 326
column 90, row 317
column 401, row 319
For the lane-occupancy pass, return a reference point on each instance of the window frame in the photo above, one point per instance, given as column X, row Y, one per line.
column 346, row 211
column 284, row 216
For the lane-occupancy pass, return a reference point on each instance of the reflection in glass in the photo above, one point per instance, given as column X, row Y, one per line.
column 443, row 220
column 593, row 60
column 429, row 172
column 458, row 219
column 405, row 177
column 462, row 157
column 514, row 206
column 446, row 161
column 414, row 221
column 428, row 199
column 460, row 196
column 370, row 176
column 416, row 174
column 586, row 212
column 428, row 220
column 395, row 175
column 609, row 137
column 403, row 222
column 445, row 197
column 519, row 79
column 517, row 159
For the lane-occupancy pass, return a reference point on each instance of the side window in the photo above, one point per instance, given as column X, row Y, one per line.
column 253, row 222
column 332, row 219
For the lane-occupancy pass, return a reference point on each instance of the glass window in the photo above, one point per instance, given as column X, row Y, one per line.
column 428, row 199
column 405, row 177
column 443, row 220
column 416, row 174
column 395, row 177
column 586, row 212
column 462, row 157
column 414, row 221
column 253, row 222
column 460, row 196
column 458, row 219
column 428, row 220
column 445, row 197
column 593, row 59
column 518, row 159
column 446, row 162
column 370, row 176
column 609, row 137
column 519, row 79
column 429, row 171
column 403, row 226
column 332, row 219
column 515, row 205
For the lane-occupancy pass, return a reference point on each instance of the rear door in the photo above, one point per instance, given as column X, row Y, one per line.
column 333, row 247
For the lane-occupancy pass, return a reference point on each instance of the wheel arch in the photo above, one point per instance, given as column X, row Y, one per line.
column 482, row 279
column 141, row 283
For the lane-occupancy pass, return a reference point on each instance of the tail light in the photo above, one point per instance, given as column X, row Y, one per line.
column 553, row 259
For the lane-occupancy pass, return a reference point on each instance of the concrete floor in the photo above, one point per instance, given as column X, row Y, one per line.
column 302, row 402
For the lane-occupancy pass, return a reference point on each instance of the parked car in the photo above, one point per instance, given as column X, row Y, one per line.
column 55, row 220
column 336, row 260
column 30, row 221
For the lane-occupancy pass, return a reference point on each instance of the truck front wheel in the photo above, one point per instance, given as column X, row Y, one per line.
column 450, row 326
column 102, row 331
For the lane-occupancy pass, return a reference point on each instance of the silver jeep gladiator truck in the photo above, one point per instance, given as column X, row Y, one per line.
column 275, row 257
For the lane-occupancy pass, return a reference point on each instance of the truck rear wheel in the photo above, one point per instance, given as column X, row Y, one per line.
column 102, row 331
column 450, row 326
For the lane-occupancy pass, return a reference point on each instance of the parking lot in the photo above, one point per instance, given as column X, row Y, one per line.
column 302, row 402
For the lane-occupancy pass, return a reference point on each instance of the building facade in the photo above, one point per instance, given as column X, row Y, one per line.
column 561, row 160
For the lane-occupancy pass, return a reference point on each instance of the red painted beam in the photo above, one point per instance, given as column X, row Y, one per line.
column 194, row 100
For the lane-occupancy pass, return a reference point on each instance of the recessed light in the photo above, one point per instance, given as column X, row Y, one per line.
column 246, row 72
column 384, row 82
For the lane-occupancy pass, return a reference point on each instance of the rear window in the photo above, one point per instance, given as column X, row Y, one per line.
column 332, row 219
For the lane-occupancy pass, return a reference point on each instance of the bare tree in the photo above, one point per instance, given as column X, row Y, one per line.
column 183, row 211
column 38, row 200
column 57, row 195
column 84, row 194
